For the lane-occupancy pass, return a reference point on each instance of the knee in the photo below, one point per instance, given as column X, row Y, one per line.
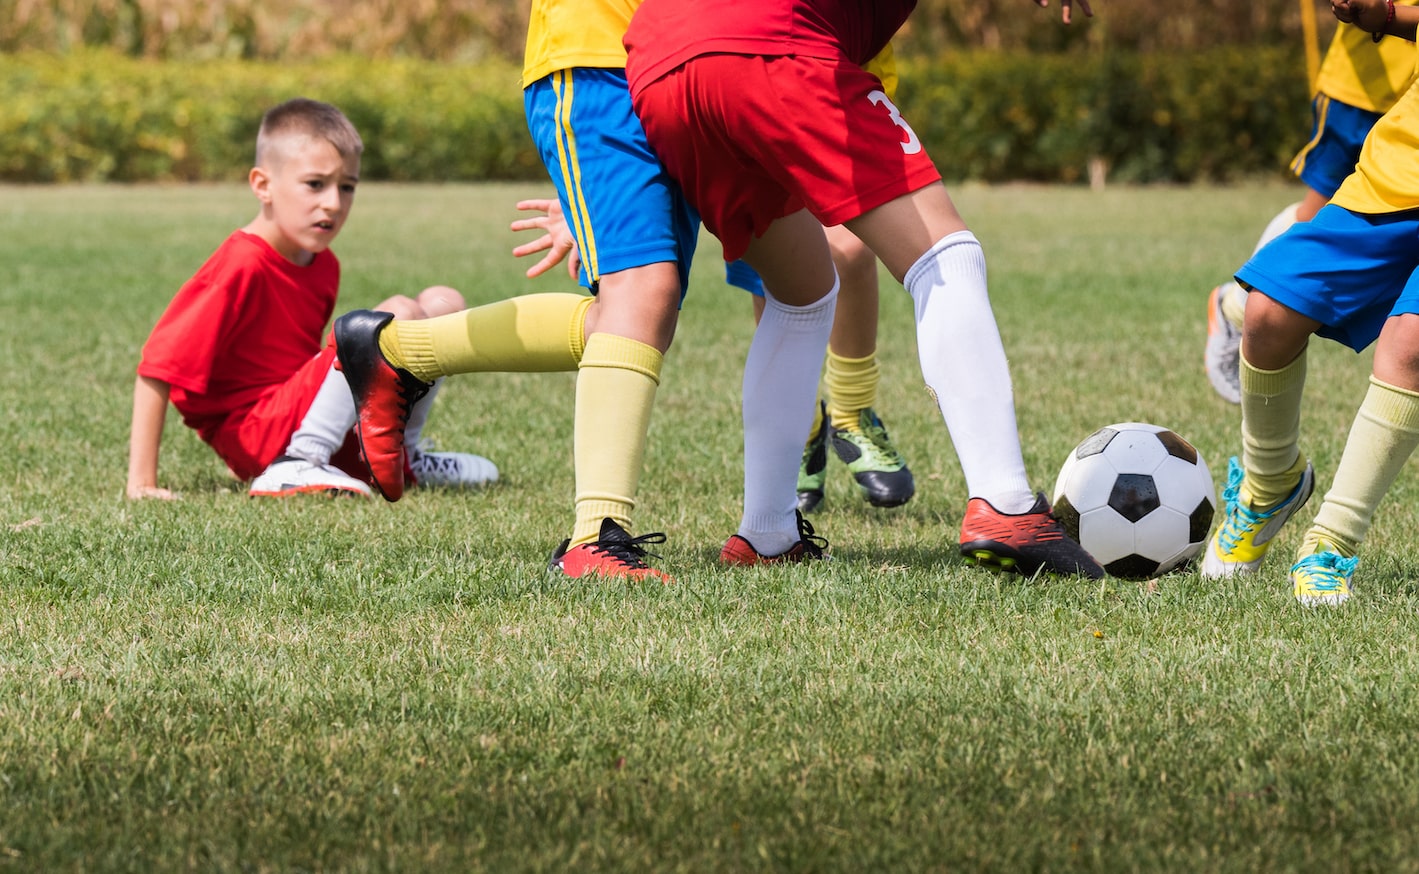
column 1273, row 334
column 401, row 307
column 437, row 300
column 441, row 300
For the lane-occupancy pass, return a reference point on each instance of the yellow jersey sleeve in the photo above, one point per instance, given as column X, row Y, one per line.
column 884, row 67
column 1363, row 73
column 1386, row 178
column 562, row 34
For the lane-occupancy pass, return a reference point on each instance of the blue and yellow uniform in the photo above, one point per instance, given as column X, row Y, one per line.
column 1359, row 81
column 1356, row 263
column 622, row 208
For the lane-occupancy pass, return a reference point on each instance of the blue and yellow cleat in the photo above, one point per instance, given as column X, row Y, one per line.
column 1323, row 578
column 1241, row 541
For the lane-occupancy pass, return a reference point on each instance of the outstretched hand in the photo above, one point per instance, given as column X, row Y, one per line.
column 557, row 241
column 1068, row 6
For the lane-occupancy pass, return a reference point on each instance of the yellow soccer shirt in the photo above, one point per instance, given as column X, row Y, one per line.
column 1386, row 178
column 1363, row 73
column 562, row 34
column 884, row 67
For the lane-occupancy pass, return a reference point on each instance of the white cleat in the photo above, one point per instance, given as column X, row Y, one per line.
column 288, row 475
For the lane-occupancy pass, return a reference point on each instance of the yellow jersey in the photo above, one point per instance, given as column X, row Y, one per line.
column 1366, row 74
column 884, row 67
column 1386, row 178
column 563, row 34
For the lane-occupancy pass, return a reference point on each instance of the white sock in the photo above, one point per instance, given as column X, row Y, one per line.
column 329, row 419
column 1274, row 228
column 963, row 362
column 418, row 415
column 780, row 389
column 1277, row 226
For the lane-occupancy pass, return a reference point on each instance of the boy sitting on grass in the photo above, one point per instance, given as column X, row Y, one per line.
column 241, row 350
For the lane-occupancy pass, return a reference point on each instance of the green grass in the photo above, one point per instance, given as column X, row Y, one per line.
column 219, row 684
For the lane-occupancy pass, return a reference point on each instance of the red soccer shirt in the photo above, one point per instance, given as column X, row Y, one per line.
column 242, row 326
column 666, row 33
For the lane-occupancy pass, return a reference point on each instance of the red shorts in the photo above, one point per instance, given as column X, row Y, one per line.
column 752, row 139
column 248, row 441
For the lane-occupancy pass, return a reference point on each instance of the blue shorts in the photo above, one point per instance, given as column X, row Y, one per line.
column 619, row 203
column 1348, row 271
column 741, row 275
column 1340, row 129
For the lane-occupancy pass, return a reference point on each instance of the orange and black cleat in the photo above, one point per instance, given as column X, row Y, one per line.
column 1023, row 542
column 383, row 395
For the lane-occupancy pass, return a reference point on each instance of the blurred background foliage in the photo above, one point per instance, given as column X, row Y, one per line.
column 474, row 30
column 172, row 90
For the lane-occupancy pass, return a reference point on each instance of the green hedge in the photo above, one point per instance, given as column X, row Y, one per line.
column 1217, row 115
column 102, row 117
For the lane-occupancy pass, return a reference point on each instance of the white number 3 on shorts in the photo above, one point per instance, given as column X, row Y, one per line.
column 911, row 145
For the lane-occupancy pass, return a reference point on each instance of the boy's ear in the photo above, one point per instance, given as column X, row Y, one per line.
column 260, row 182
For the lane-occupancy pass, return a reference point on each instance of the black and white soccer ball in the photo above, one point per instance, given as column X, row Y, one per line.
column 1138, row 497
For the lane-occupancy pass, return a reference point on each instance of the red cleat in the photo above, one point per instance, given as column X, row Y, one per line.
column 810, row 547
column 1024, row 542
column 614, row 554
column 383, row 394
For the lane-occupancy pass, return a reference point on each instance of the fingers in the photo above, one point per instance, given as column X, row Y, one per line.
column 547, row 263
column 541, row 243
column 531, row 224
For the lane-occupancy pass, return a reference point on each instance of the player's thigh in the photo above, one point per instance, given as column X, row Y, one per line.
column 903, row 229
column 793, row 257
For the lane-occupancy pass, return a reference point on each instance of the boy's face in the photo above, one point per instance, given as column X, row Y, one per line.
column 306, row 190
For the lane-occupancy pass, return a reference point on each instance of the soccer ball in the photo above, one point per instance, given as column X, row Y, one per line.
column 1138, row 497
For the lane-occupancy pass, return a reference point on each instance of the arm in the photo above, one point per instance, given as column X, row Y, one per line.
column 1378, row 17
column 557, row 241
column 1068, row 8
column 150, row 406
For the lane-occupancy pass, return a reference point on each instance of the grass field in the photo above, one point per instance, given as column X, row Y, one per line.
column 221, row 684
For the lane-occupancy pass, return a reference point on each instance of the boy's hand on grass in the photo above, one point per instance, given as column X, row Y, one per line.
column 557, row 241
column 138, row 493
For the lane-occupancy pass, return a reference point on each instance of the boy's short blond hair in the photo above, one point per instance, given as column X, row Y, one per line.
column 310, row 118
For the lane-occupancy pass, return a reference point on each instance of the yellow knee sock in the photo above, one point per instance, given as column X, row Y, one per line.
column 615, row 390
column 851, row 385
column 1383, row 436
column 1271, row 432
column 534, row 333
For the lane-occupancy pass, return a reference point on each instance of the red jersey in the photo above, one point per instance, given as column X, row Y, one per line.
column 240, row 328
column 664, row 34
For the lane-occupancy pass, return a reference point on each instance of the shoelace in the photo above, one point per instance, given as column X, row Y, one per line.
column 879, row 443
column 1327, row 572
column 1238, row 521
column 429, row 463
column 409, row 388
column 629, row 551
column 813, row 544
